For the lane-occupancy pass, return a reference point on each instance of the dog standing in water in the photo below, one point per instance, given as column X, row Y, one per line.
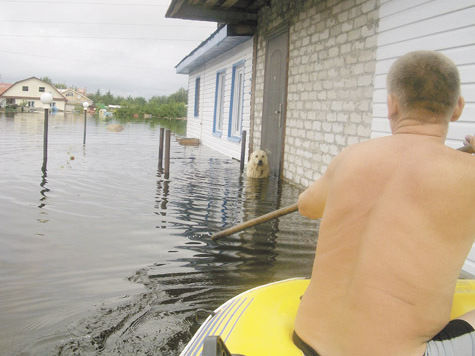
column 258, row 165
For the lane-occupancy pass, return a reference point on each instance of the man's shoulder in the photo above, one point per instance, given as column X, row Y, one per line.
column 407, row 154
column 362, row 158
column 465, row 162
column 368, row 149
column 455, row 156
column 448, row 169
column 372, row 143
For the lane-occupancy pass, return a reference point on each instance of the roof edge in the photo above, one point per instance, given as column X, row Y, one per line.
column 217, row 37
column 182, row 9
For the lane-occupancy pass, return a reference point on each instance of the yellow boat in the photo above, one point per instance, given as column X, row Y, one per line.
column 260, row 321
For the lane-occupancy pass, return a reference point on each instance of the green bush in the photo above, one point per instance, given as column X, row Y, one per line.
column 170, row 107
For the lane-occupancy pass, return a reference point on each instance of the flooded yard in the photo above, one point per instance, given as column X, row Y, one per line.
column 103, row 255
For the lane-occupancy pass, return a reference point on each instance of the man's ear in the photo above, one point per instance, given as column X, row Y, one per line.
column 458, row 109
column 393, row 107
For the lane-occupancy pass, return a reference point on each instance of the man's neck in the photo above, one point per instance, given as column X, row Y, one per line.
column 412, row 125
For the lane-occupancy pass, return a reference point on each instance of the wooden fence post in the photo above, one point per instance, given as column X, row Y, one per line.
column 167, row 154
column 45, row 142
column 243, row 149
column 160, row 149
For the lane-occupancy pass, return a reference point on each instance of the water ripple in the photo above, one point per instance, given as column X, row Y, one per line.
column 104, row 254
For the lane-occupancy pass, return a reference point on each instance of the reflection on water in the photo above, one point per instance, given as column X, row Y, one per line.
column 161, row 197
column 124, row 264
column 44, row 189
column 176, row 126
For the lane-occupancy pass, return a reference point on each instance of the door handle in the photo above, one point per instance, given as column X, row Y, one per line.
column 280, row 113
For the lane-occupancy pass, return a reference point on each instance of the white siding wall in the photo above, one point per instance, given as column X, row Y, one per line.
column 447, row 26
column 443, row 25
column 202, row 126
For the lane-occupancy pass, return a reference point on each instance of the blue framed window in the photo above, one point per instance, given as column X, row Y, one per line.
column 197, row 97
column 237, row 102
column 218, row 121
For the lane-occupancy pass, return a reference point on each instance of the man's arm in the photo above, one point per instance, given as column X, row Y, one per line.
column 312, row 201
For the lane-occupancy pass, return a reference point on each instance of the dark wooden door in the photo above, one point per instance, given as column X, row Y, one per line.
column 275, row 100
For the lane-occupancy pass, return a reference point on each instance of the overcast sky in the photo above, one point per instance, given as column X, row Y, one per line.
column 125, row 46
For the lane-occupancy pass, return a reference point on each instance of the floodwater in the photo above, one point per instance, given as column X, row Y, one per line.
column 103, row 255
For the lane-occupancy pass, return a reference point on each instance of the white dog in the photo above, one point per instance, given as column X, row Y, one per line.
column 258, row 165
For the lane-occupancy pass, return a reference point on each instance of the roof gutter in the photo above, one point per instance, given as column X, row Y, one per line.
column 221, row 41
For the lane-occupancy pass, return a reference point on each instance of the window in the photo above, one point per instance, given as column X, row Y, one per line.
column 41, row 89
column 31, row 104
column 237, row 100
column 197, row 97
column 25, row 88
column 219, row 103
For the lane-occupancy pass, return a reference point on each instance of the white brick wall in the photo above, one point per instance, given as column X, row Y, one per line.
column 332, row 51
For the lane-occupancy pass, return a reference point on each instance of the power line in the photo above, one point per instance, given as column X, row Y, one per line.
column 58, row 59
column 100, row 23
column 103, row 38
column 94, row 51
column 38, row 2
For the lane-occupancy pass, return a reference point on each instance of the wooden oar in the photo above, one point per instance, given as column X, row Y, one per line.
column 283, row 211
column 256, row 221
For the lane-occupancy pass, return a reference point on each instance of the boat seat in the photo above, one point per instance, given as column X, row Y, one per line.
column 214, row 346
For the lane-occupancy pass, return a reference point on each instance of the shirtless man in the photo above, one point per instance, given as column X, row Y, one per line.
column 398, row 223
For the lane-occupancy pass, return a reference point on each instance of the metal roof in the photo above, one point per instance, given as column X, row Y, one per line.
column 223, row 11
column 221, row 41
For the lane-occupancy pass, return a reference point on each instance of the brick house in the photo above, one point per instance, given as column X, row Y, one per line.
column 319, row 70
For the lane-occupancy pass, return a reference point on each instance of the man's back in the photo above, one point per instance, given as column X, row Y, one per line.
column 390, row 247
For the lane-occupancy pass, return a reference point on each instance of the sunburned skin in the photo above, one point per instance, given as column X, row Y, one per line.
column 397, row 225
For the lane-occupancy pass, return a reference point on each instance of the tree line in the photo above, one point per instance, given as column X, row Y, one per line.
column 172, row 106
column 166, row 106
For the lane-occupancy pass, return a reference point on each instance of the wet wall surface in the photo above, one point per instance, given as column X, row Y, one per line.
column 104, row 255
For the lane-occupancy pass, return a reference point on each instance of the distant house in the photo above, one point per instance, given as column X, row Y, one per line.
column 320, row 69
column 27, row 92
column 3, row 87
column 74, row 98
column 219, row 89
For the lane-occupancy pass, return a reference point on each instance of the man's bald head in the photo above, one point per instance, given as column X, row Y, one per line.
column 425, row 80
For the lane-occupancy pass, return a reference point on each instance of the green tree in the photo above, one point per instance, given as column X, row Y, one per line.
column 172, row 106
column 180, row 96
column 47, row 80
